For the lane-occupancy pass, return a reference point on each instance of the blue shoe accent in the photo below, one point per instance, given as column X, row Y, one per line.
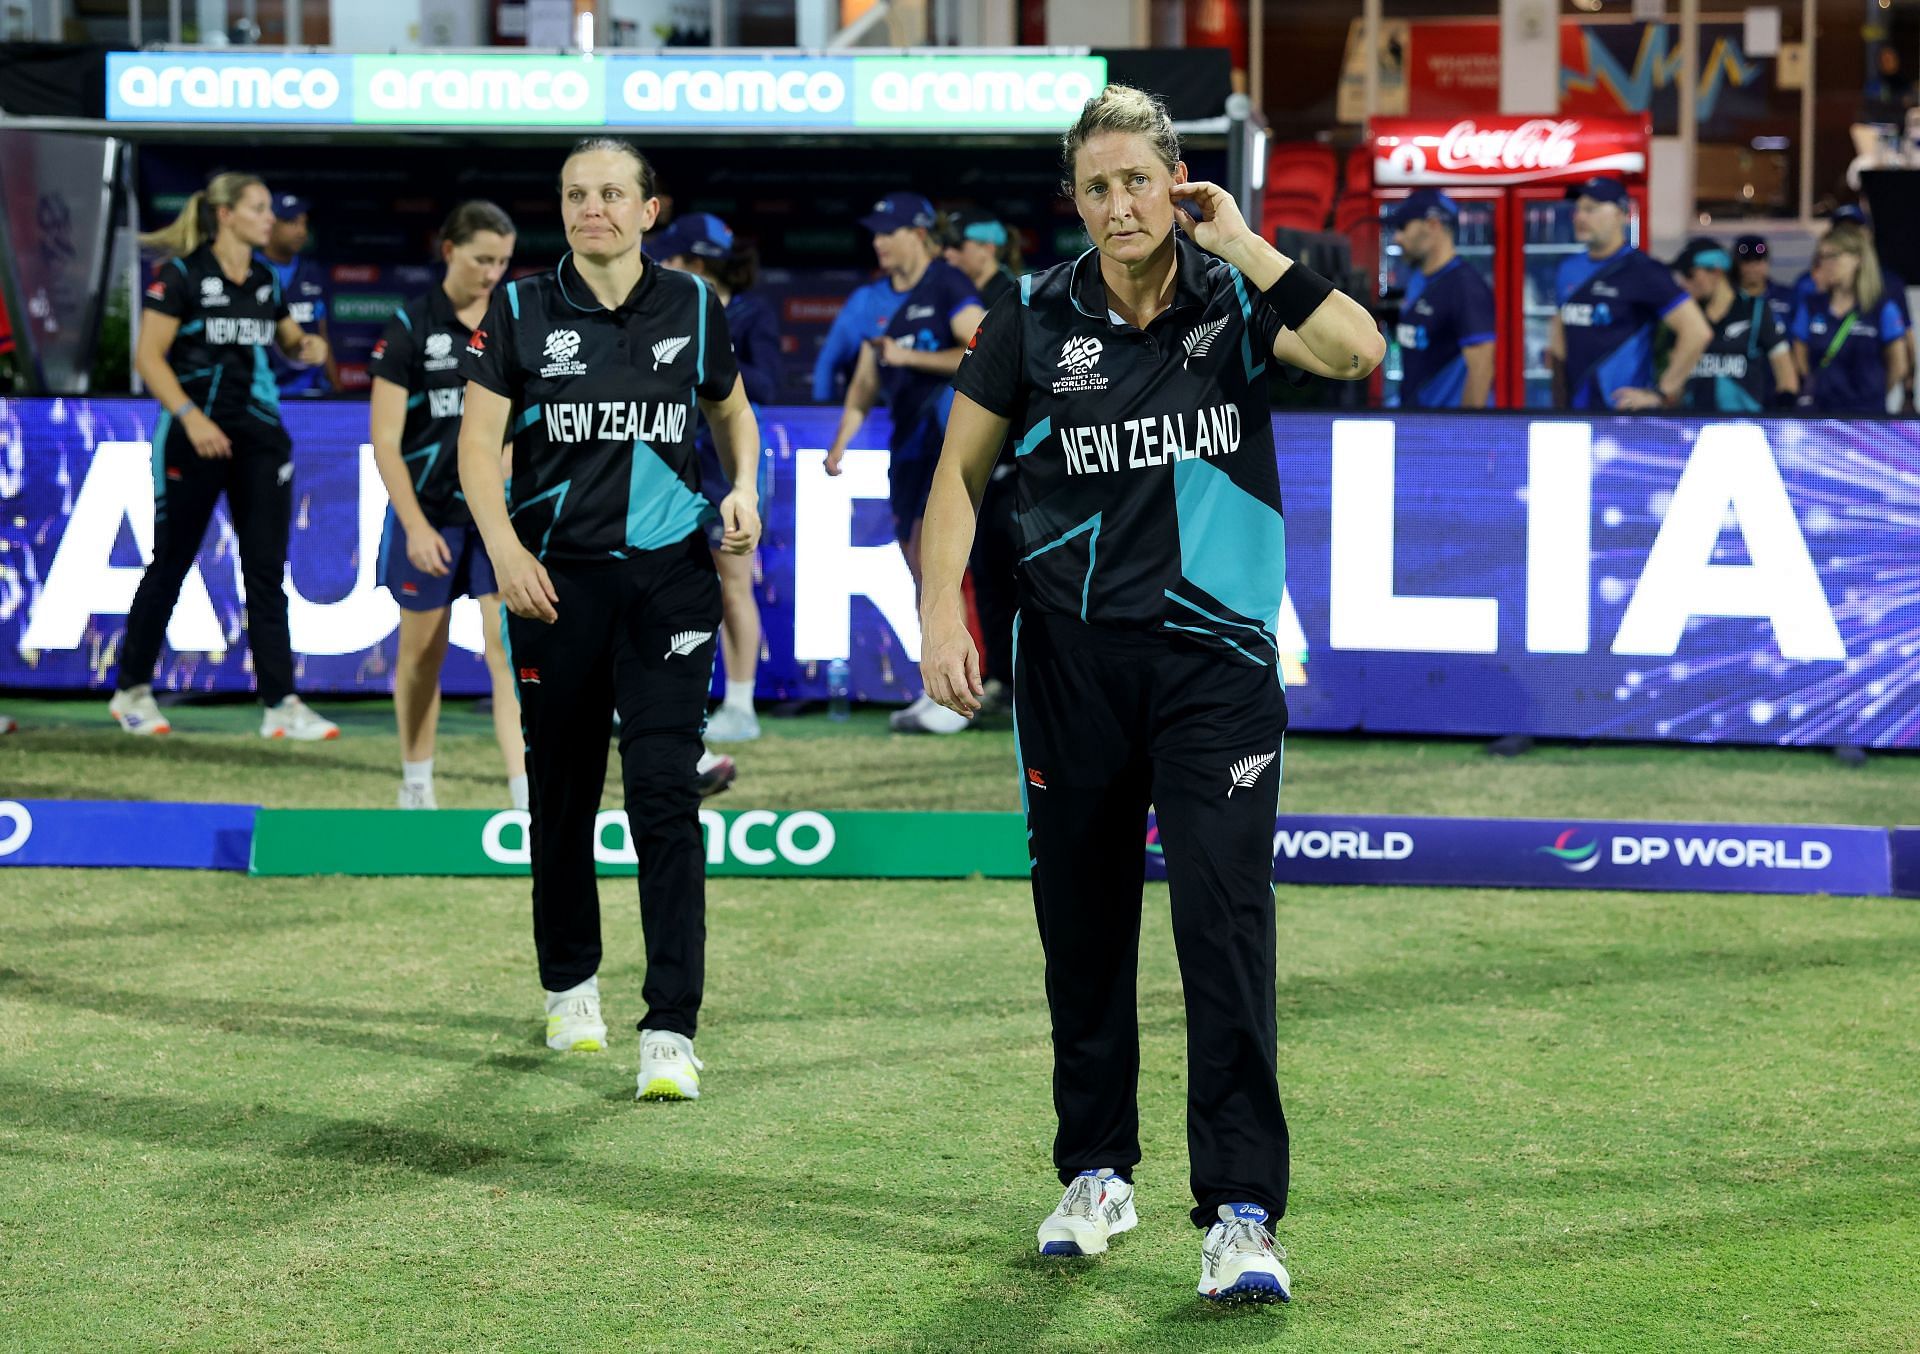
column 1061, row 1248
column 1251, row 1212
column 1252, row 1288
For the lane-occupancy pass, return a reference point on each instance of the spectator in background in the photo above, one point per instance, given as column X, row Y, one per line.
column 1849, row 339
column 1892, row 284
column 1753, row 262
column 703, row 245
column 909, row 367
column 1610, row 301
column 1748, row 364
column 1447, row 325
column 303, row 282
column 979, row 245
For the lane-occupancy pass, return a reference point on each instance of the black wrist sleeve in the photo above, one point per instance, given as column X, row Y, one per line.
column 1296, row 295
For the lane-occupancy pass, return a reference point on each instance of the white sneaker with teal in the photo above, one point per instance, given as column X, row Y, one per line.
column 573, row 1019
column 1097, row 1205
column 1239, row 1261
column 668, row 1069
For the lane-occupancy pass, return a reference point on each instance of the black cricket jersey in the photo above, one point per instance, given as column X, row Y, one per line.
column 420, row 353
column 604, row 402
column 1735, row 373
column 1148, row 493
column 220, row 353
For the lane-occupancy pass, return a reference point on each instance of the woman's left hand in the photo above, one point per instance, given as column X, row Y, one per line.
column 1220, row 225
column 740, row 523
column 1632, row 400
column 312, row 351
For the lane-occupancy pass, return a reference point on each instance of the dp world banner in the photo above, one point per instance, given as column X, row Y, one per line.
column 1644, row 578
column 738, row 90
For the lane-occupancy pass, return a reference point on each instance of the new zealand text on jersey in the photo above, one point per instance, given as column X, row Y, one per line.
column 447, row 403
column 224, row 330
column 616, row 421
column 1140, row 443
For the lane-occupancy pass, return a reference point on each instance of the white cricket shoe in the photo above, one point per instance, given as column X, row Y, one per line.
column 1097, row 1205
column 713, row 773
column 294, row 719
column 573, row 1019
column 417, row 794
column 136, row 711
column 731, row 724
column 1239, row 1261
column 668, row 1069
column 927, row 715
column 8, row 724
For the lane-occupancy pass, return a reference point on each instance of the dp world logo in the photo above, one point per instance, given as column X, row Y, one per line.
column 1578, row 859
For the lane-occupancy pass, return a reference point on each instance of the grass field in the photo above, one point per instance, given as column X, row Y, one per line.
column 317, row 1114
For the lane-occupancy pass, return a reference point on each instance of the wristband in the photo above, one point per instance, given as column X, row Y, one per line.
column 1297, row 294
column 181, row 412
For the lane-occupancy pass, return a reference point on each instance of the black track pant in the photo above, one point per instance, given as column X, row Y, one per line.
column 258, row 482
column 634, row 635
column 996, row 557
column 1107, row 723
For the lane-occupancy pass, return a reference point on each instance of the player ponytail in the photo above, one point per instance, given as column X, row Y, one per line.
column 199, row 220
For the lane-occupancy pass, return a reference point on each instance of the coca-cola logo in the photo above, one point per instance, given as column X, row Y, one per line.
column 1538, row 144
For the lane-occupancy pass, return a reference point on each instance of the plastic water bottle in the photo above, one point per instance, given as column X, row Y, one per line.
column 839, row 708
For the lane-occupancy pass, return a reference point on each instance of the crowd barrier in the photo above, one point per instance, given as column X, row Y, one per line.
column 1633, row 578
column 807, row 843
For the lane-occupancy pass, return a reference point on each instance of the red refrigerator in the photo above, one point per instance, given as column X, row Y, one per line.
column 1509, row 176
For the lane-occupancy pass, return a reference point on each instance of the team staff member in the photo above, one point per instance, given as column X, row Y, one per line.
column 1849, row 340
column 909, row 367
column 430, row 553
column 611, row 595
column 303, row 281
column 863, row 316
column 1748, row 364
column 212, row 312
column 1753, row 261
column 1611, row 299
column 1148, row 665
column 703, row 244
column 1447, row 325
column 979, row 244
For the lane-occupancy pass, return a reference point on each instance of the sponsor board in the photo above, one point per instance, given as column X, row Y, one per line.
column 1904, row 843
column 932, row 92
column 1572, row 854
column 75, row 833
column 753, row 842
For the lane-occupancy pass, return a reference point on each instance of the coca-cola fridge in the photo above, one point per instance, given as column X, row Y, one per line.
column 1509, row 176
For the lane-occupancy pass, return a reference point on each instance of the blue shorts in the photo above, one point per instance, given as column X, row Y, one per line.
column 469, row 575
column 910, row 475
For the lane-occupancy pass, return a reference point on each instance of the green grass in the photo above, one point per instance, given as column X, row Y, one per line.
column 317, row 1114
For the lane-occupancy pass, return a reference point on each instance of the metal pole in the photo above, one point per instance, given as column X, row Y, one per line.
column 173, row 22
column 717, row 21
column 1689, row 94
column 1370, row 55
column 1256, row 53
column 1809, row 31
column 134, row 24
column 296, row 34
column 251, row 9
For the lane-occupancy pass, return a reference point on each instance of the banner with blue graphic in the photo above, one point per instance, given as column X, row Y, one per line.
column 1641, row 578
column 87, row 833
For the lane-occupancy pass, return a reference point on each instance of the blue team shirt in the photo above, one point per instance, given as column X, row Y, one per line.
column 863, row 316
column 1782, row 301
column 1804, row 291
column 924, row 322
column 1854, row 381
column 1442, row 314
column 1609, row 310
column 303, row 284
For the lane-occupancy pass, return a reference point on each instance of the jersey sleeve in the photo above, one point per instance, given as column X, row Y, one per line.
column 393, row 355
column 989, row 373
column 1801, row 330
column 1658, row 289
column 958, row 293
column 1893, row 324
column 718, row 368
column 488, row 359
column 168, row 293
column 281, row 310
column 1476, row 323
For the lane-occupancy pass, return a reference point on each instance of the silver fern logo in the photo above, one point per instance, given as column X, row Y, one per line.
column 667, row 349
column 686, row 641
column 1246, row 771
column 1199, row 341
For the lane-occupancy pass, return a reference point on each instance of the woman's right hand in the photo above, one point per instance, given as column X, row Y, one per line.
column 949, row 662
column 835, row 455
column 209, row 443
column 525, row 586
column 427, row 551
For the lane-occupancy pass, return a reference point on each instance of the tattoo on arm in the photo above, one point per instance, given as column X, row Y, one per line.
column 1355, row 362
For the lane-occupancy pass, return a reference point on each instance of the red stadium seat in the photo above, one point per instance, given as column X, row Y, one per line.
column 1300, row 186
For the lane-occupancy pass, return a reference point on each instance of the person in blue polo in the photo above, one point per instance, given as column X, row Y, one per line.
column 303, row 282
column 1447, row 328
column 1849, row 339
column 1611, row 301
